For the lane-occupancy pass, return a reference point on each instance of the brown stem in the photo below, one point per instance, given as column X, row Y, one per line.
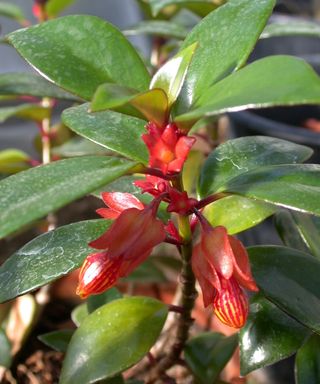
column 189, row 294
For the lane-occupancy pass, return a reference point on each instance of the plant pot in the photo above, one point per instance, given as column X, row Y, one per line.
column 283, row 122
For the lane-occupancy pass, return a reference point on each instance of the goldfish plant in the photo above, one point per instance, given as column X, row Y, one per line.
column 166, row 184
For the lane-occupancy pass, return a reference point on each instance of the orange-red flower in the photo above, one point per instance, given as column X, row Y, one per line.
column 168, row 147
column 180, row 202
column 220, row 263
column 126, row 244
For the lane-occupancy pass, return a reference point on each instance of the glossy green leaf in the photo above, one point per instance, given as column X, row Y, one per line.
column 238, row 156
column 109, row 95
column 112, row 339
column 93, row 302
column 81, row 58
column 96, row 301
column 290, row 279
column 54, row 7
column 115, row 131
column 13, row 160
column 158, row 5
column 294, row 186
column 264, row 83
column 79, row 313
column 78, row 146
column 298, row 231
column 57, row 340
column 237, row 213
column 153, row 104
column 31, row 85
column 191, row 170
column 24, row 111
column 158, row 28
column 208, row 353
column 48, row 257
column 225, row 39
column 307, row 367
column 291, row 28
column 5, row 350
column 268, row 336
column 171, row 75
column 12, row 11
column 31, row 194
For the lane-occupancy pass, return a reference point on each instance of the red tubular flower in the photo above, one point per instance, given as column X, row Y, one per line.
column 126, row 244
column 168, row 147
column 221, row 265
column 118, row 202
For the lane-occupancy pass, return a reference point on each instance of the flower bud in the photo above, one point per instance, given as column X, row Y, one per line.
column 231, row 304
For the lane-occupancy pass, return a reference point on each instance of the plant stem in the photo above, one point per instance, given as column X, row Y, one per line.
column 188, row 296
column 45, row 134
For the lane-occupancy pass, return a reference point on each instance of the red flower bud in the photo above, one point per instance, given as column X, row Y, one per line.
column 126, row 244
column 221, row 265
column 231, row 304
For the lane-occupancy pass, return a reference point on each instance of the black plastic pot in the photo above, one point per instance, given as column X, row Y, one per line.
column 284, row 123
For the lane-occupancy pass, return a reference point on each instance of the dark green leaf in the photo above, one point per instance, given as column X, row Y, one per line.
column 290, row 279
column 57, row 340
column 112, row 339
column 237, row 213
column 12, row 11
column 171, row 75
column 31, row 194
column 31, row 85
column 78, row 146
column 54, row 7
column 308, row 362
column 225, row 37
column 96, row 301
column 113, row 130
column 292, row 28
column 5, row 350
column 298, row 231
column 48, row 257
column 264, row 83
column 81, row 58
column 238, row 156
column 294, row 186
column 24, row 111
column 159, row 28
column 268, row 336
column 208, row 353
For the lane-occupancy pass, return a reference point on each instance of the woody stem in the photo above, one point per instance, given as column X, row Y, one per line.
column 188, row 296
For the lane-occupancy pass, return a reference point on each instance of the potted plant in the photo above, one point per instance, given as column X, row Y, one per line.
column 166, row 205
